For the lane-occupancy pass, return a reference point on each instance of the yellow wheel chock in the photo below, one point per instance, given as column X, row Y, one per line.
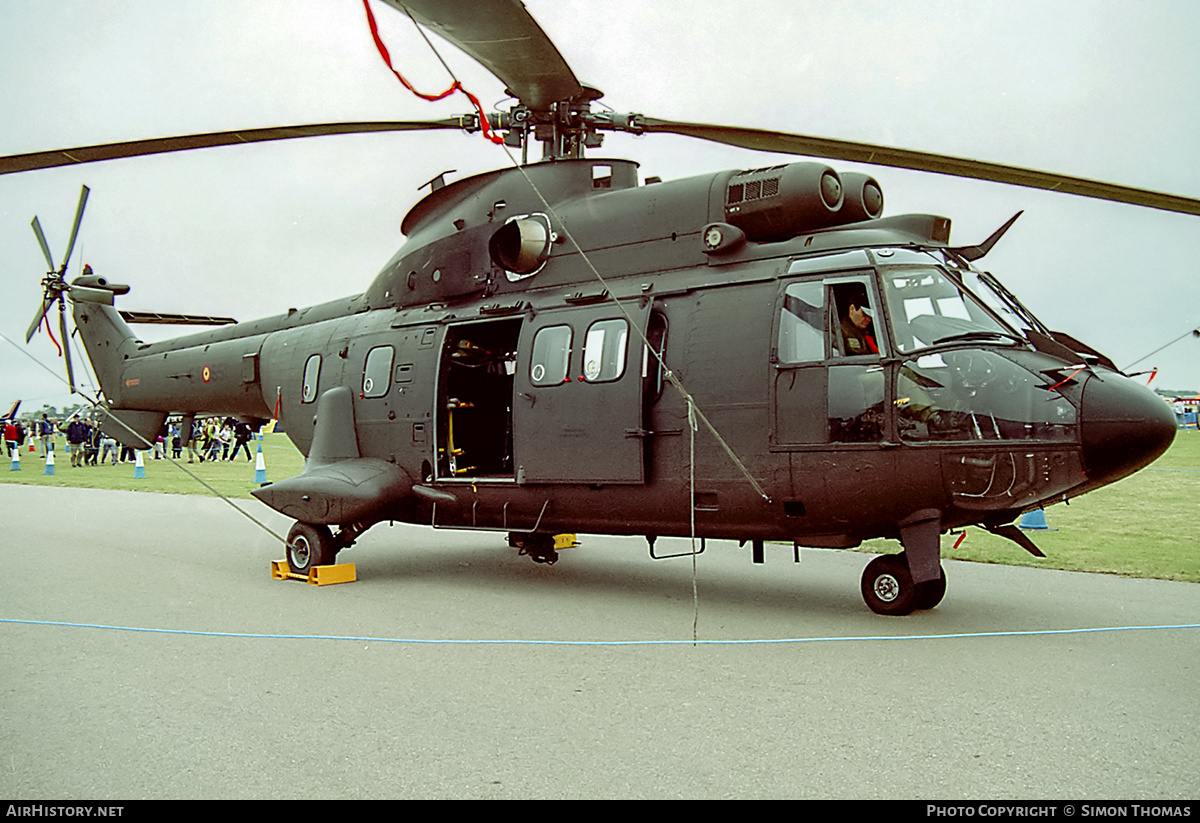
column 317, row 575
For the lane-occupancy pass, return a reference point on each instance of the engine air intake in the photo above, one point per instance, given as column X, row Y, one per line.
column 780, row 202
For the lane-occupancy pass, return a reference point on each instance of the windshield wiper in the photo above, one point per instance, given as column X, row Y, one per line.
column 979, row 335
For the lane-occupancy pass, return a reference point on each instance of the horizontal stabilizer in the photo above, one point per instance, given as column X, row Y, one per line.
column 86, row 294
column 1017, row 536
column 167, row 319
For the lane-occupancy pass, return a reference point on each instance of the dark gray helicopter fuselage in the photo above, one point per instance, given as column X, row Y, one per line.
column 500, row 373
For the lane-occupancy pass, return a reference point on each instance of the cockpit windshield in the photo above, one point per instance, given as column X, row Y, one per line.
column 1001, row 301
column 927, row 308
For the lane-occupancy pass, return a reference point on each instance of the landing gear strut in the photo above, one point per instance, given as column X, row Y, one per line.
column 537, row 546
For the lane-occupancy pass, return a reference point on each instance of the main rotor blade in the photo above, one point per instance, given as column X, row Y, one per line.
column 47, row 302
column 83, row 196
column 503, row 37
column 37, row 229
column 786, row 143
column 162, row 145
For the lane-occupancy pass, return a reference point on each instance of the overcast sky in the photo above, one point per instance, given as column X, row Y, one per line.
column 1107, row 90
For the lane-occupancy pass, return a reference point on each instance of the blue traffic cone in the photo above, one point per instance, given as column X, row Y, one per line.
column 15, row 466
column 260, row 468
column 49, row 463
column 1034, row 520
column 139, row 468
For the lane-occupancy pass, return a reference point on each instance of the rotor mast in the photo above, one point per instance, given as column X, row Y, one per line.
column 565, row 129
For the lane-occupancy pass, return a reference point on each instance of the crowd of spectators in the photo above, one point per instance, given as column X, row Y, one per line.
column 16, row 433
column 209, row 439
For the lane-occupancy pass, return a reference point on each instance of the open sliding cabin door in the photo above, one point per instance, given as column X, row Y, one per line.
column 578, row 396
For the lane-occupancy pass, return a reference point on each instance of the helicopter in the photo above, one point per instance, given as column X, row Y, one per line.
column 514, row 366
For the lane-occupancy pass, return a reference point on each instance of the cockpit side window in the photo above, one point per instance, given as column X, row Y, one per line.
column 854, row 331
column 830, row 384
column 802, row 323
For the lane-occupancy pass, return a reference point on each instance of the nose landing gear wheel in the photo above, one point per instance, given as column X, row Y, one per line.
column 309, row 545
column 887, row 587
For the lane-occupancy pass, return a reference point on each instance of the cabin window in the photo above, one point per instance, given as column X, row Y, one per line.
column 312, row 373
column 604, row 350
column 551, row 356
column 802, row 323
column 377, row 372
column 652, row 365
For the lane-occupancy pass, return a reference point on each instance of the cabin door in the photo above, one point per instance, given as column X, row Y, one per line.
column 578, row 396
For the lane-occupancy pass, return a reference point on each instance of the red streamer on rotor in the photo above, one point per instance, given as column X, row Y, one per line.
column 51, row 333
column 457, row 86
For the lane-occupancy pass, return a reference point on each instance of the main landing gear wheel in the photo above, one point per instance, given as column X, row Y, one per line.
column 309, row 545
column 887, row 587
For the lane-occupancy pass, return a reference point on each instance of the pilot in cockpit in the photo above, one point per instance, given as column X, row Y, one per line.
column 857, row 324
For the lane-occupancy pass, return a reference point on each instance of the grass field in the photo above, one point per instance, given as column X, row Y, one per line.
column 1147, row 525
column 232, row 479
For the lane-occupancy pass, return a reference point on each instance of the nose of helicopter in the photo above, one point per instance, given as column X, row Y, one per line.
column 1125, row 426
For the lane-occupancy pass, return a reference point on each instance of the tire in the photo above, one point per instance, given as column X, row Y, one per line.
column 887, row 586
column 309, row 545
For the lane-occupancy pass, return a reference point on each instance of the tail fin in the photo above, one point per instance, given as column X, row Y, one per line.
column 110, row 343
column 108, row 339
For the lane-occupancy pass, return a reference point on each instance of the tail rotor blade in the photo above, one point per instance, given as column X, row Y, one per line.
column 66, row 342
column 47, row 301
column 37, row 229
column 83, row 196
